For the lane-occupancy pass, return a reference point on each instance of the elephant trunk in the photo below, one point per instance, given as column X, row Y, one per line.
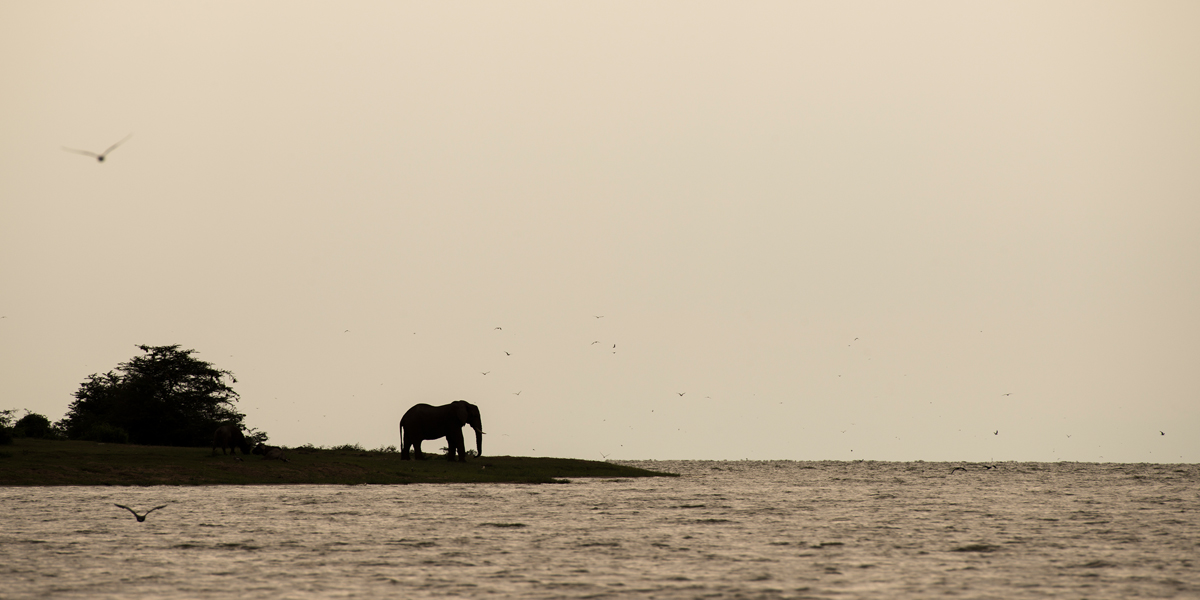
column 478, row 440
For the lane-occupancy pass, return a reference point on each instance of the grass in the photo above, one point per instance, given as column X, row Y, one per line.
column 43, row 462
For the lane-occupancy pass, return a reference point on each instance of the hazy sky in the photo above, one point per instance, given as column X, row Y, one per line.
column 841, row 230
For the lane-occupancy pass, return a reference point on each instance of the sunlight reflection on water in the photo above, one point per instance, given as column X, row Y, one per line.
column 725, row 529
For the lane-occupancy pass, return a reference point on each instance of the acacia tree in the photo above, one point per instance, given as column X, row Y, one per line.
column 166, row 397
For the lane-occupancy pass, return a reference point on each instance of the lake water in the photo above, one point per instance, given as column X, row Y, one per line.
column 722, row 530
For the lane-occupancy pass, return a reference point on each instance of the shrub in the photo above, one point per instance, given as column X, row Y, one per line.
column 165, row 397
column 33, row 425
column 107, row 434
column 6, row 433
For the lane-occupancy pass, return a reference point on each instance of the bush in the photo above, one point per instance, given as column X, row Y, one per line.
column 446, row 452
column 6, row 433
column 166, row 397
column 33, row 425
column 255, row 437
column 107, row 434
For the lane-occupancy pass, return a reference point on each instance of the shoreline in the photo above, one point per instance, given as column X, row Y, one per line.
column 34, row 462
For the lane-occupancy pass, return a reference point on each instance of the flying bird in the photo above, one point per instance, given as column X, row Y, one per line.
column 517, row 393
column 485, row 372
column 598, row 316
column 507, row 353
column 1008, row 394
column 1161, row 433
column 99, row 157
column 996, row 432
column 500, row 328
column 956, row 469
column 140, row 518
column 682, row 393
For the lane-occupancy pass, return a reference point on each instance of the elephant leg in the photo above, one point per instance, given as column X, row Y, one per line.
column 417, row 450
column 457, row 445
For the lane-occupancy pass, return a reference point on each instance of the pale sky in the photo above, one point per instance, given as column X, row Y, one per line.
column 841, row 230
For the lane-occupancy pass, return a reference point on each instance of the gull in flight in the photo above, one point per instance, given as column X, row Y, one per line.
column 98, row 157
column 140, row 518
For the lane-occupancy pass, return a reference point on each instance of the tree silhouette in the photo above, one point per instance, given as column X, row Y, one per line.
column 166, row 397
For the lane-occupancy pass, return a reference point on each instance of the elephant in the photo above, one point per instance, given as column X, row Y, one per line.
column 425, row 422
column 230, row 436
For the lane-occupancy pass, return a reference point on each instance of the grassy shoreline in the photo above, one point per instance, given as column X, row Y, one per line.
column 34, row 462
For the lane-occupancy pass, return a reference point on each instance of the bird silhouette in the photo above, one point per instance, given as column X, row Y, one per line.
column 485, row 372
column 996, row 432
column 140, row 518
column 98, row 157
column 1008, row 394
column 1161, row 433
column 955, row 469
column 682, row 393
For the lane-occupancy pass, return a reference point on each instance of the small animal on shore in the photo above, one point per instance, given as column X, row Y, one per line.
column 142, row 517
column 956, row 469
column 99, row 157
column 269, row 452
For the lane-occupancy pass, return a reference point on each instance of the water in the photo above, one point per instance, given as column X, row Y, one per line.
column 722, row 530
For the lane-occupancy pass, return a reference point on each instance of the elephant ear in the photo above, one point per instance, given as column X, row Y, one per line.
column 460, row 410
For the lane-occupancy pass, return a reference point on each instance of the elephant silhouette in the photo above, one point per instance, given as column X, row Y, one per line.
column 425, row 422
